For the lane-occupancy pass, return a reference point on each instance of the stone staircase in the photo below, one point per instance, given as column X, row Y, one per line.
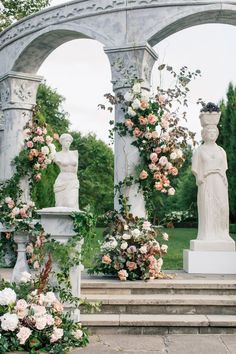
column 186, row 304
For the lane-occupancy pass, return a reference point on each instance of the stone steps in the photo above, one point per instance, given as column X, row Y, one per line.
column 158, row 324
column 165, row 304
column 186, row 304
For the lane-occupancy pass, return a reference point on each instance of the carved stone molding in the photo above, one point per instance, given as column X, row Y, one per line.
column 128, row 63
column 18, row 90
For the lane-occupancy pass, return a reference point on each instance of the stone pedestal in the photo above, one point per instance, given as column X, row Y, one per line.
column 58, row 223
column 21, row 239
column 209, row 262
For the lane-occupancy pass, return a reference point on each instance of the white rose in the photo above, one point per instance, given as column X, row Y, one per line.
column 45, row 150
column 49, row 298
column 77, row 334
column 40, row 323
column 7, row 297
column 173, row 155
column 136, row 104
column 25, row 277
column 23, row 334
column 126, row 227
column 131, row 112
column 126, row 237
column 9, row 322
column 124, row 245
column 135, row 233
column 165, row 236
column 164, row 248
column 50, row 320
column 47, row 161
column 179, row 153
column 147, row 225
column 163, row 160
column 128, row 96
column 171, row 191
column 143, row 249
column 56, row 335
column 39, row 311
column 136, row 88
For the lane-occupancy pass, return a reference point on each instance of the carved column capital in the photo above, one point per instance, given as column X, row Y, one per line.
column 18, row 90
column 131, row 62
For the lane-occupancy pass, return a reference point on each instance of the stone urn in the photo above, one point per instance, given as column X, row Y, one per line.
column 209, row 118
column 21, row 238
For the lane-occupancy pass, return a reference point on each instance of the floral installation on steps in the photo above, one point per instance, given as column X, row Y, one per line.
column 132, row 247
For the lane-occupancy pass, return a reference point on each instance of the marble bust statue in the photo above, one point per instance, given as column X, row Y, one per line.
column 66, row 187
column 209, row 165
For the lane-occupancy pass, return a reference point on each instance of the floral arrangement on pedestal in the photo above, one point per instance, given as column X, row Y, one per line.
column 131, row 249
column 33, row 320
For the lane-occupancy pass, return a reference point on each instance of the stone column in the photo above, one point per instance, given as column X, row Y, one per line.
column 17, row 98
column 128, row 63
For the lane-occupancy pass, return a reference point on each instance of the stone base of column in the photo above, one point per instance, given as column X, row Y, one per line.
column 58, row 223
column 204, row 262
column 215, row 246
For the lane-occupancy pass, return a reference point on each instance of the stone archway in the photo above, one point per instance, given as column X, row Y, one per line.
column 127, row 29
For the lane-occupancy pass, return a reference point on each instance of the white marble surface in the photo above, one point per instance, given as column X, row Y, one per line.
column 209, row 262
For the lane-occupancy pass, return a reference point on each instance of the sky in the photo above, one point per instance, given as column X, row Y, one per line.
column 80, row 71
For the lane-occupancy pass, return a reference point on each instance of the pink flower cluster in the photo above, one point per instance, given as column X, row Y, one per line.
column 40, row 148
column 132, row 251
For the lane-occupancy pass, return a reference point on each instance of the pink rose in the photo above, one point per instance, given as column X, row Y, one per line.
column 35, row 139
column 39, row 131
column 162, row 100
column 157, row 150
column 21, row 305
column 137, row 132
column 157, row 175
column 144, row 104
column 128, row 123
column 174, row 171
column 30, row 144
column 155, row 135
column 152, row 119
column 23, row 213
column 58, row 306
column 106, row 259
column 143, row 120
column 163, row 160
column 41, row 139
column 37, row 166
column 23, row 334
column 153, row 157
column 131, row 265
column 56, row 136
column 152, row 167
column 143, row 175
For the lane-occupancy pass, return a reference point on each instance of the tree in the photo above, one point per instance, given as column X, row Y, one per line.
column 227, row 139
column 14, row 10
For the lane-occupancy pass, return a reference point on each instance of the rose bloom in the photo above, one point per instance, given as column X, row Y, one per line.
column 128, row 123
column 117, row 265
column 23, row 213
column 131, row 265
column 37, row 177
column 143, row 120
column 106, row 259
column 122, row 274
column 155, row 135
column 131, row 112
column 126, row 237
column 144, row 104
column 143, row 175
column 29, row 144
column 152, row 167
column 57, row 321
column 163, row 160
column 22, row 314
column 9, row 322
column 132, row 249
column 35, row 139
column 165, row 236
column 124, row 245
column 41, row 139
column 157, row 176
column 128, row 96
column 58, row 306
column 7, row 297
column 50, row 320
column 77, row 334
column 41, row 158
column 25, row 277
column 148, row 135
column 56, row 335
column 34, row 152
column 37, row 166
column 143, row 249
column 36, row 265
column 157, row 150
column 153, row 157
column 174, row 171
column 136, row 87
column 8, row 200
column 152, row 119
column 165, row 181
column 39, row 131
column 164, row 190
column 171, row 191
column 136, row 104
column 50, row 298
column 164, row 248
column 162, row 100
column 21, row 305
column 137, row 132
column 158, row 186
column 23, row 334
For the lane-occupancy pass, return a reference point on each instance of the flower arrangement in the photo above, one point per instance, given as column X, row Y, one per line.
column 35, row 321
column 40, row 148
column 131, row 250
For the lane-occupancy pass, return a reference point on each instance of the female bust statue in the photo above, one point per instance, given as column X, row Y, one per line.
column 209, row 165
column 66, row 187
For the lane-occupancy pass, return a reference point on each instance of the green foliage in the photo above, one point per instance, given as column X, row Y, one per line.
column 96, row 171
column 13, row 10
column 227, row 139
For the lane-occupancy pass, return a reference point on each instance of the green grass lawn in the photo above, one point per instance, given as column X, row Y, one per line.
column 179, row 240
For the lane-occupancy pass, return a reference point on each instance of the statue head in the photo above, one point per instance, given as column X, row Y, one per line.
column 65, row 141
column 210, row 133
